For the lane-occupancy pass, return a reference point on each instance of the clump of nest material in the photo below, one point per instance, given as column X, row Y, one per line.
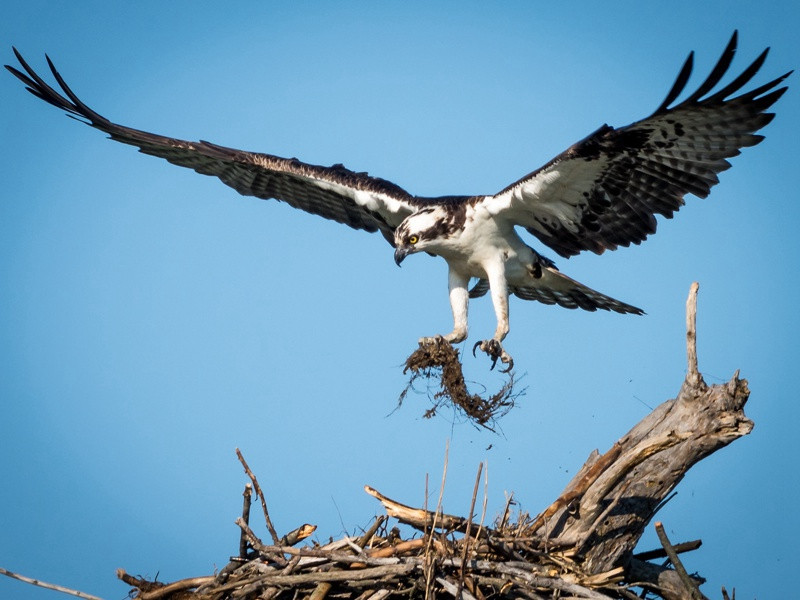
column 438, row 359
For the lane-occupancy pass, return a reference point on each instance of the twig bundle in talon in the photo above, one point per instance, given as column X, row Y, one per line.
column 436, row 358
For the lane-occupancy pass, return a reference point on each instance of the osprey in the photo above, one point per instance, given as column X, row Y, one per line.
column 600, row 193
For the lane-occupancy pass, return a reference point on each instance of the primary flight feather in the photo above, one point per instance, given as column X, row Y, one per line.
column 601, row 193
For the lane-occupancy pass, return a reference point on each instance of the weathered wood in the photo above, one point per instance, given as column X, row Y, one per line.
column 649, row 461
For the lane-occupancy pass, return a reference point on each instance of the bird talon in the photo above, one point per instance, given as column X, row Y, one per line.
column 431, row 341
column 495, row 351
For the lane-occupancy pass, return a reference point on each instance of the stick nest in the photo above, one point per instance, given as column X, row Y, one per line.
column 439, row 360
column 447, row 556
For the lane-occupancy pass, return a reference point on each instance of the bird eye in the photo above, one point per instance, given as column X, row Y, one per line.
column 413, row 239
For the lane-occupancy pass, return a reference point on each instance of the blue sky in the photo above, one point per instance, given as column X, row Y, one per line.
column 152, row 320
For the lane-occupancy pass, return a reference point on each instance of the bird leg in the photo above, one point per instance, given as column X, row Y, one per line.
column 493, row 347
column 459, row 302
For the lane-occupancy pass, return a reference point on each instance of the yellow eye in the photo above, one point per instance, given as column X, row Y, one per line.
column 413, row 239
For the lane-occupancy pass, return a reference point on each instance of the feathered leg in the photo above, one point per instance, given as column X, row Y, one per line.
column 499, row 291
column 459, row 303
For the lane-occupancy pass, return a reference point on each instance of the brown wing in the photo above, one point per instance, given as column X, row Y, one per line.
column 605, row 191
column 336, row 193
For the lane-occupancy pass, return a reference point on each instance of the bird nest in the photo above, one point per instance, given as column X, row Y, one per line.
column 443, row 555
column 581, row 546
column 439, row 360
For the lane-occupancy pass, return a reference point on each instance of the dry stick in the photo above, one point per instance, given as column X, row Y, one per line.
column 506, row 512
column 417, row 517
column 257, row 488
column 725, row 594
column 396, row 549
column 661, row 553
column 49, row 586
column 693, row 376
column 429, row 567
column 553, row 583
column 248, row 488
column 485, row 499
column 258, row 545
column 296, row 536
column 457, row 591
column 465, row 550
column 137, row 582
column 183, row 584
column 320, row 591
column 691, row 586
column 346, row 576
column 369, row 533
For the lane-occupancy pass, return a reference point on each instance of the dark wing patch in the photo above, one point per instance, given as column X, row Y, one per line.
column 336, row 193
column 479, row 289
column 605, row 191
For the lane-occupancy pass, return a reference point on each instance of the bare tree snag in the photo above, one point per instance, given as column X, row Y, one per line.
column 648, row 462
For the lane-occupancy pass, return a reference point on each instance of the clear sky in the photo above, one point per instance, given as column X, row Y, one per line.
column 152, row 320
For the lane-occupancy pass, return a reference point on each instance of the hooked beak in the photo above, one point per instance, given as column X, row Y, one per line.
column 399, row 254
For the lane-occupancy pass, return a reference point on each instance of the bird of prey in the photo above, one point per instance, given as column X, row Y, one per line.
column 600, row 193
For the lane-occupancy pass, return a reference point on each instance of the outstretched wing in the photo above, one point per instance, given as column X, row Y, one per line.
column 605, row 191
column 336, row 193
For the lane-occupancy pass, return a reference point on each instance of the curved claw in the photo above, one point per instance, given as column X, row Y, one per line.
column 478, row 343
column 495, row 351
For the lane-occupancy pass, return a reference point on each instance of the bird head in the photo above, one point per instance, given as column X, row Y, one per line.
column 419, row 231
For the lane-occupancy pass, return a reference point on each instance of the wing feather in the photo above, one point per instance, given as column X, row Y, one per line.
column 553, row 287
column 605, row 191
column 336, row 193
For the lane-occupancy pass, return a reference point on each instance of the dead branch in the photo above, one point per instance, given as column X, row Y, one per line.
column 248, row 495
column 418, row 517
column 48, row 586
column 690, row 587
column 257, row 488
